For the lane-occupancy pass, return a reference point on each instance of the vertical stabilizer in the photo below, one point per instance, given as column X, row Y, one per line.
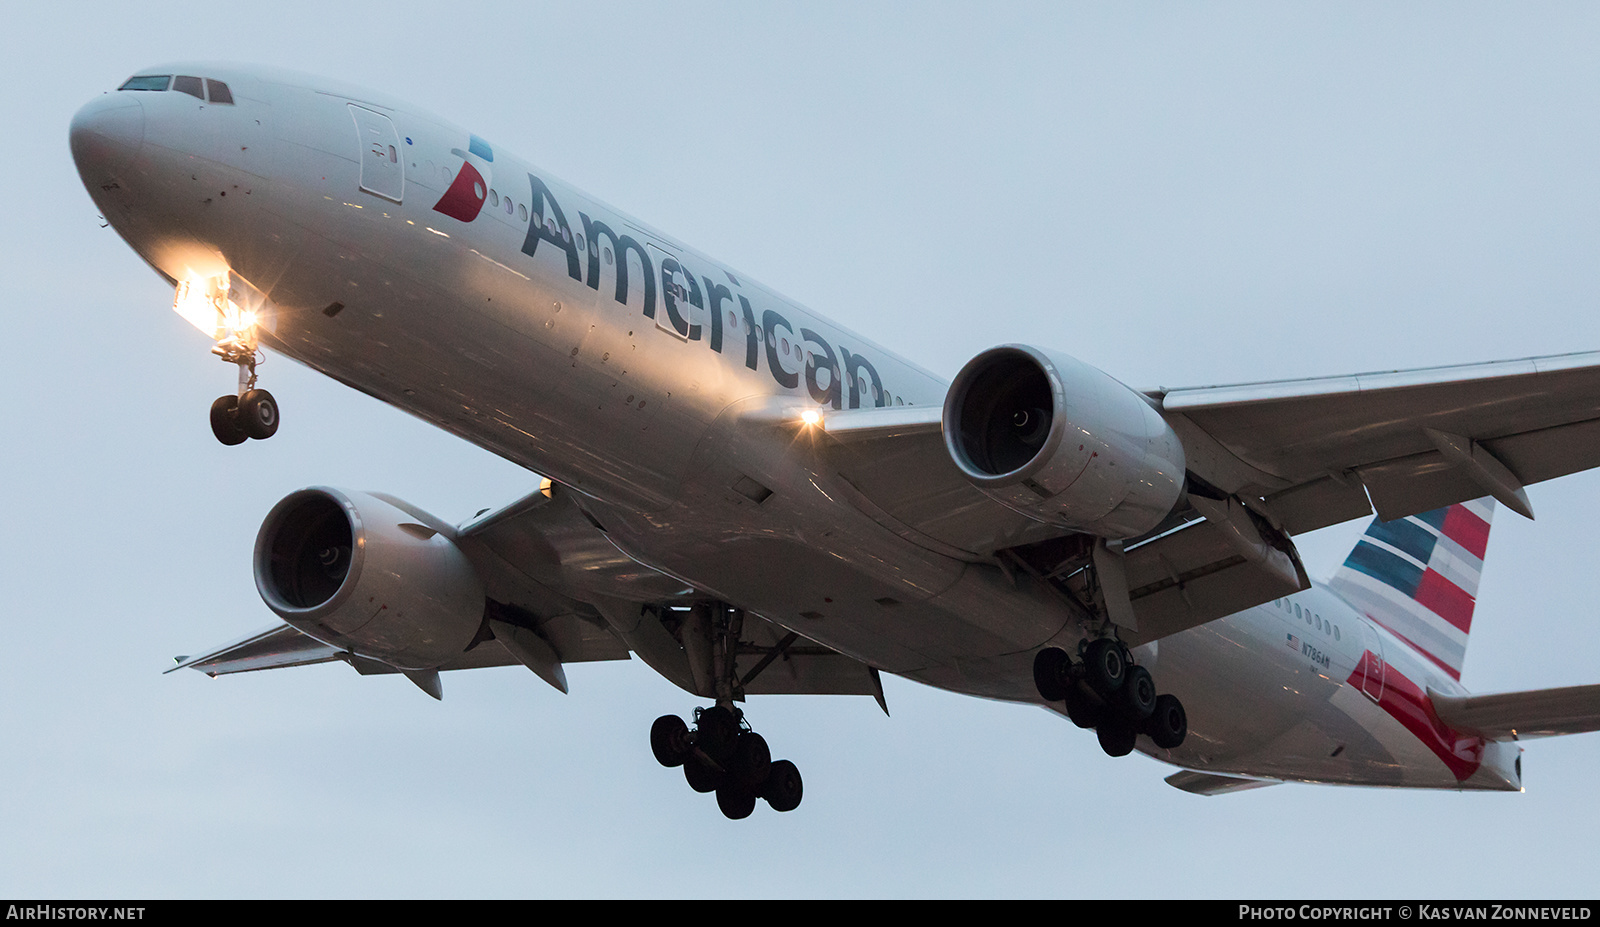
column 1418, row 577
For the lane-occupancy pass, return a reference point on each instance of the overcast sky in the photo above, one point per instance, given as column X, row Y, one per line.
column 1179, row 194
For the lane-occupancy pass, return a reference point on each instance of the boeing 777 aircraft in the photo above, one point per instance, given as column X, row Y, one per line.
column 753, row 499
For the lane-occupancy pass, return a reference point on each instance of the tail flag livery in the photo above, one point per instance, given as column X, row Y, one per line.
column 1418, row 577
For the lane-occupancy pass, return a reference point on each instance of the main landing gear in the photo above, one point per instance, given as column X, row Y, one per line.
column 1108, row 692
column 249, row 413
column 723, row 755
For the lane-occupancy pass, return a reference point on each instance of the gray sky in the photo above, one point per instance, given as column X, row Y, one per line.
column 1179, row 194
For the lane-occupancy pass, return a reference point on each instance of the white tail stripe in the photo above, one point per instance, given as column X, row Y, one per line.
column 1383, row 603
column 1452, row 561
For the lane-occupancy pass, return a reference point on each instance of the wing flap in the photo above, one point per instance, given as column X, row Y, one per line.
column 775, row 661
column 1198, row 573
column 1200, row 783
column 1522, row 715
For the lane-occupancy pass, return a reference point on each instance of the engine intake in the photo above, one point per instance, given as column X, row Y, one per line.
column 1062, row 442
column 369, row 575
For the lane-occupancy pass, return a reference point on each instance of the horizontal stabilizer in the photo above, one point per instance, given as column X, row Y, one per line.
column 1212, row 784
column 1522, row 715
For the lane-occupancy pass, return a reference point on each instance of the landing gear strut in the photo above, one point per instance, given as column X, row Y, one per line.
column 251, row 412
column 1108, row 692
column 722, row 753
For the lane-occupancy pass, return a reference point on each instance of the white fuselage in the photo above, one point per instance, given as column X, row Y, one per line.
column 538, row 323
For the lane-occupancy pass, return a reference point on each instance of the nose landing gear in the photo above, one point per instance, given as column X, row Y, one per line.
column 1109, row 693
column 251, row 412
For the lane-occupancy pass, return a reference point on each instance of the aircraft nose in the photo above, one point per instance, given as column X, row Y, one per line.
column 105, row 135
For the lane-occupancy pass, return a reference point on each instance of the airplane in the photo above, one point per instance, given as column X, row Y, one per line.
column 755, row 500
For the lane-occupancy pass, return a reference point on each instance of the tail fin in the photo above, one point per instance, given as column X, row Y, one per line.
column 1418, row 577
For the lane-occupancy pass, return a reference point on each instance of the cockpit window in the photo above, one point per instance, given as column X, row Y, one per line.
column 147, row 82
column 219, row 92
column 189, row 85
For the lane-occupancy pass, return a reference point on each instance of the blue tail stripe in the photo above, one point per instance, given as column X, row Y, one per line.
column 1386, row 567
column 1405, row 534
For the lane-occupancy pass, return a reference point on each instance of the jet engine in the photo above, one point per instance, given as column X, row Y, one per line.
column 369, row 574
column 1062, row 442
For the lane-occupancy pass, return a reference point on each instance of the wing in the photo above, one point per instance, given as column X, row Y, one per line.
column 1266, row 461
column 558, row 592
column 1410, row 440
column 277, row 646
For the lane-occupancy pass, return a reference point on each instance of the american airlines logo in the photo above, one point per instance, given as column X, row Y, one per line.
column 838, row 378
column 465, row 198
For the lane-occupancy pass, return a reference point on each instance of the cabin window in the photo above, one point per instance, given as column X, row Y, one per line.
column 494, row 198
column 522, row 213
column 147, row 82
column 190, row 85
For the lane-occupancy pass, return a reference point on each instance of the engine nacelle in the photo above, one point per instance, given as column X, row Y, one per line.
column 1062, row 442
column 359, row 572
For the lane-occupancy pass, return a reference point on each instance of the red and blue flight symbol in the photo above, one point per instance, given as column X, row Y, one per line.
column 464, row 200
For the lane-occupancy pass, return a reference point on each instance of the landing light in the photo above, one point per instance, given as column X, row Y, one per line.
column 205, row 304
column 811, row 417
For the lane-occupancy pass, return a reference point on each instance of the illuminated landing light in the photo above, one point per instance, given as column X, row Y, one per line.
column 811, row 417
column 206, row 305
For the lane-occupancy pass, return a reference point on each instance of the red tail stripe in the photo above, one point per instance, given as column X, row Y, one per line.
column 1410, row 705
column 1445, row 599
column 1467, row 529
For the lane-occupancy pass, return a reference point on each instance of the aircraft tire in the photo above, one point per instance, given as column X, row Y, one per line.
column 784, row 789
column 1083, row 710
column 258, row 414
column 1117, row 737
column 752, row 761
column 701, row 778
column 717, row 732
column 736, row 801
column 1167, row 725
column 1105, row 665
column 225, row 421
column 1051, row 668
column 669, row 740
column 1137, row 697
